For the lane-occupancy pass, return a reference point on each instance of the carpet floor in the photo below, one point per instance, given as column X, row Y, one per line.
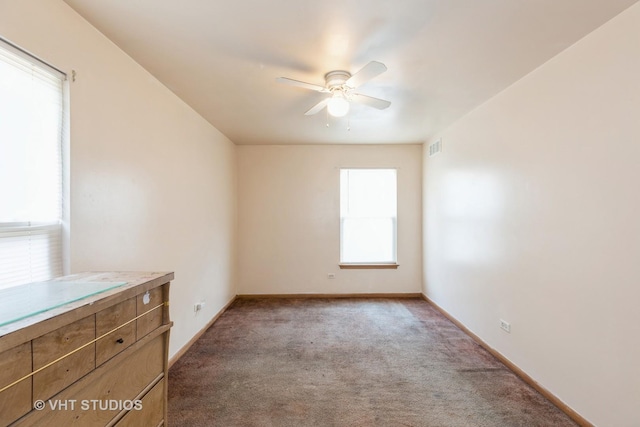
column 347, row 362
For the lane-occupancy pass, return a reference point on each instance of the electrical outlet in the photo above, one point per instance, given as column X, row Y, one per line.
column 506, row 326
column 198, row 306
column 331, row 276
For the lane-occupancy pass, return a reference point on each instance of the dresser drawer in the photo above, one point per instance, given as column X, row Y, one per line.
column 122, row 379
column 147, row 303
column 151, row 412
column 56, row 344
column 15, row 401
column 110, row 319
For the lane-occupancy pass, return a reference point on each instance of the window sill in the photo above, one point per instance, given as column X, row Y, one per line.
column 362, row 266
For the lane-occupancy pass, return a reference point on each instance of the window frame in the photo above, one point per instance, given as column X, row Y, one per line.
column 25, row 230
column 360, row 265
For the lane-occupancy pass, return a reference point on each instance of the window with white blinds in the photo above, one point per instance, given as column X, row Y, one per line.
column 31, row 132
column 368, row 216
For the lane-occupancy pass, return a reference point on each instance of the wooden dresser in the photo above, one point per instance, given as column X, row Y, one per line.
column 99, row 360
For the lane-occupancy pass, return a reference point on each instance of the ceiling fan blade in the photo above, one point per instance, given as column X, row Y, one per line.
column 317, row 108
column 298, row 83
column 369, row 71
column 380, row 104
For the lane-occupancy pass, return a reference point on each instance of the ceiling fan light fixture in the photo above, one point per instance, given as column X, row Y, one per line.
column 338, row 105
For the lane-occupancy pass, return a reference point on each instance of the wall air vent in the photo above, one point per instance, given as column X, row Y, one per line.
column 435, row 148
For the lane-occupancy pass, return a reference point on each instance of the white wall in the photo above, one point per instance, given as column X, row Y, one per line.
column 289, row 219
column 532, row 214
column 152, row 183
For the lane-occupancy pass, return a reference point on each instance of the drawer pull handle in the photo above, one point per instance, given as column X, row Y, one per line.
column 120, row 340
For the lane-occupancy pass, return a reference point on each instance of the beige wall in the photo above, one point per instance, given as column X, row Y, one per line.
column 152, row 183
column 532, row 215
column 289, row 219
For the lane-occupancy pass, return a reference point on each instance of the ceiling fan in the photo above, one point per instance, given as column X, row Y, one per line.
column 341, row 85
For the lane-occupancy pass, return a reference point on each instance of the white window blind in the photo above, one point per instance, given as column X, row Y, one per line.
column 368, row 215
column 31, row 129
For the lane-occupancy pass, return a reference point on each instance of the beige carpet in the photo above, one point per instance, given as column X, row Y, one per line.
column 346, row 362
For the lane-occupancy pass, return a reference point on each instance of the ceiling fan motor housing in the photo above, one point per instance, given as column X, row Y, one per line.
column 336, row 79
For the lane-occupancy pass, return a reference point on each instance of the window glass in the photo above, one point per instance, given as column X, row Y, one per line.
column 368, row 215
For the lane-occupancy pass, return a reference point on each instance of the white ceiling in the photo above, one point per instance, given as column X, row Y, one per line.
column 444, row 57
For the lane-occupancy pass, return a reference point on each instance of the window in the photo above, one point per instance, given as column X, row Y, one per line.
column 368, row 217
column 31, row 123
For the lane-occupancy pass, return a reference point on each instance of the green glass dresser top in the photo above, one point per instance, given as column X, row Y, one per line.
column 21, row 302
